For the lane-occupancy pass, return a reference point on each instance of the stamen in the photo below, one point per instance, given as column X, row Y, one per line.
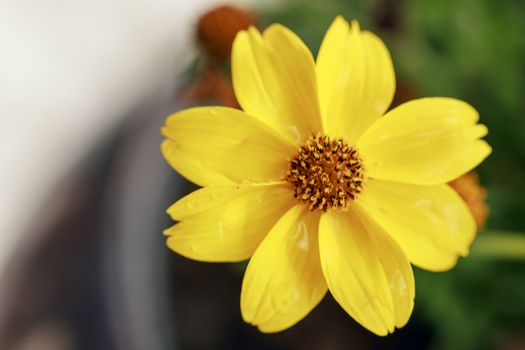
column 326, row 173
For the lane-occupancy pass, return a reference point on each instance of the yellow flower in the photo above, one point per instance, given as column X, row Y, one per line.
column 320, row 189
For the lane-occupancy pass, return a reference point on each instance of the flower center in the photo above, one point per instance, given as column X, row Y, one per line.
column 326, row 173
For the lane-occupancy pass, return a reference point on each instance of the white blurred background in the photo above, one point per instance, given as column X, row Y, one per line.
column 72, row 73
column 69, row 72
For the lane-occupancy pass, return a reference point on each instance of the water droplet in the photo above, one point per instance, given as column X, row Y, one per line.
column 191, row 204
column 294, row 131
column 215, row 195
column 220, row 229
column 198, row 165
column 423, row 203
column 301, row 236
column 398, row 283
column 284, row 303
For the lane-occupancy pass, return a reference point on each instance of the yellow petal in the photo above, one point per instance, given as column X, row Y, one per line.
column 226, row 223
column 426, row 142
column 366, row 271
column 283, row 281
column 219, row 145
column 432, row 224
column 356, row 79
column 274, row 80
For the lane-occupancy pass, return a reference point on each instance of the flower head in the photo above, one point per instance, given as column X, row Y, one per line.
column 217, row 28
column 474, row 195
column 321, row 188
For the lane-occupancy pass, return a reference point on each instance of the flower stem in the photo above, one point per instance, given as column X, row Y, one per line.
column 500, row 245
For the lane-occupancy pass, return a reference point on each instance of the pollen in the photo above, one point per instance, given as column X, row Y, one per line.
column 326, row 173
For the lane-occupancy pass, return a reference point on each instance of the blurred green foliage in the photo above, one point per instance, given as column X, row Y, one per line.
column 473, row 50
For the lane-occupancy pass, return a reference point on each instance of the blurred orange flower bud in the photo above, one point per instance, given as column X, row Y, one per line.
column 475, row 195
column 217, row 28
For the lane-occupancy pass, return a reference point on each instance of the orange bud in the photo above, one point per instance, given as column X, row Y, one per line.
column 475, row 195
column 217, row 29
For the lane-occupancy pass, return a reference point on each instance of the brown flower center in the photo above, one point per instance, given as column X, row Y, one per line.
column 326, row 173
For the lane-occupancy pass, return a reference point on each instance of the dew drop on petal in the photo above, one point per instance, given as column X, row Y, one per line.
column 301, row 236
column 191, row 204
column 294, row 131
column 398, row 283
column 284, row 303
column 215, row 196
column 220, row 229
column 258, row 199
